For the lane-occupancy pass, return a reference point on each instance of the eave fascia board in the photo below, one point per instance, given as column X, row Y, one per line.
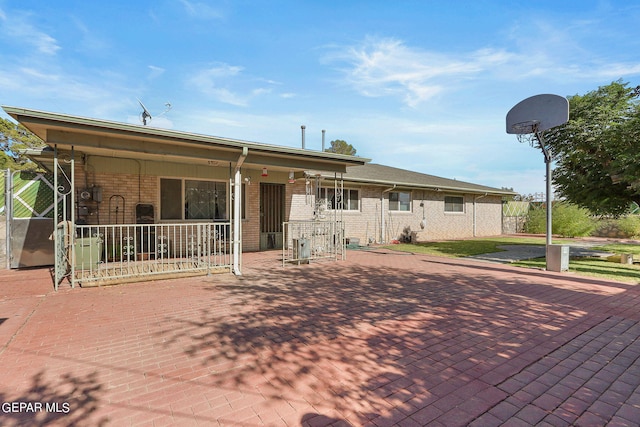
column 43, row 118
column 415, row 186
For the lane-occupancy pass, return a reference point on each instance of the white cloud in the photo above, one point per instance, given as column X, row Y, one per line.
column 384, row 67
column 389, row 67
column 211, row 82
column 564, row 52
column 225, row 83
column 618, row 70
column 19, row 28
column 261, row 91
column 201, row 10
column 155, row 71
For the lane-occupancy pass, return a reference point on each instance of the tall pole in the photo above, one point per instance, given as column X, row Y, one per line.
column 547, row 161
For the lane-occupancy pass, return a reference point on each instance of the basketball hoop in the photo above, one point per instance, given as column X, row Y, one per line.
column 528, row 119
column 527, row 131
column 528, row 126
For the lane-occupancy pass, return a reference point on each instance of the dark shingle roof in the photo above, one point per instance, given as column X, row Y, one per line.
column 372, row 173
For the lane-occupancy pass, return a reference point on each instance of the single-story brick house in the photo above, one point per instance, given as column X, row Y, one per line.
column 383, row 203
column 131, row 183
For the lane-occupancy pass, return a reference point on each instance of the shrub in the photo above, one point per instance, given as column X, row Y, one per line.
column 629, row 226
column 536, row 222
column 568, row 220
column 625, row 227
column 572, row 221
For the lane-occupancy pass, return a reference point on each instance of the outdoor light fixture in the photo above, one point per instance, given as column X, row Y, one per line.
column 264, row 172
column 292, row 179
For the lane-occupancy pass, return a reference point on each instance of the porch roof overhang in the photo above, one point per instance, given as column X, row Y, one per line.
column 123, row 140
column 399, row 185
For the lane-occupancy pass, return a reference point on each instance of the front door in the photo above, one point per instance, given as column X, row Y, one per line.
column 271, row 215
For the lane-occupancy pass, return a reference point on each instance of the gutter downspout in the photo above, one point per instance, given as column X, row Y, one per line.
column 237, row 214
column 382, row 227
column 474, row 212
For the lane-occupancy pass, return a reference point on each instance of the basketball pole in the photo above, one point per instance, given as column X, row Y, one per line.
column 547, row 161
column 531, row 117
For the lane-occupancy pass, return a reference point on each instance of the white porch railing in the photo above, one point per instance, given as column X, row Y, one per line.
column 304, row 241
column 104, row 254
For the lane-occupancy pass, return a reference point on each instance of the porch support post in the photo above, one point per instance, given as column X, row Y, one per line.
column 56, row 221
column 237, row 214
column 72, row 216
column 237, row 222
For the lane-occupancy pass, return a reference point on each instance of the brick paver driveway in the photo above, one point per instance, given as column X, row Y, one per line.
column 379, row 339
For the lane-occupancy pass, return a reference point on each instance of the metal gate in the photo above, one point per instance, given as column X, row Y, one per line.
column 271, row 215
column 30, row 210
column 4, row 231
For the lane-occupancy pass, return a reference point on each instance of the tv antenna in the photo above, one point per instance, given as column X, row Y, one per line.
column 146, row 115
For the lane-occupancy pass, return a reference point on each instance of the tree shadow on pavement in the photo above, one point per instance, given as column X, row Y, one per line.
column 70, row 400
column 377, row 342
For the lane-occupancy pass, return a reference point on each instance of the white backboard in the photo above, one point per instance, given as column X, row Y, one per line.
column 546, row 111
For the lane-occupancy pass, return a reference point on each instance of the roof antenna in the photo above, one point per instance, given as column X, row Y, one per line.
column 146, row 115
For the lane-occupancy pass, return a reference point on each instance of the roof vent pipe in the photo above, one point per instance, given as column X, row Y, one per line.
column 323, row 131
column 302, row 127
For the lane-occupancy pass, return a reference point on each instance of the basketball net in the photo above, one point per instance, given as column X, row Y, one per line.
column 529, row 138
column 528, row 133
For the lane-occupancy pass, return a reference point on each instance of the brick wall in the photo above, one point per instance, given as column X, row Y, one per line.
column 364, row 224
column 133, row 188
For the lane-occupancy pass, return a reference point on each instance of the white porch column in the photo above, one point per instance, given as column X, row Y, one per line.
column 237, row 214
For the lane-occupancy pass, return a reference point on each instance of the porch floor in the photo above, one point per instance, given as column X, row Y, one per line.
column 380, row 339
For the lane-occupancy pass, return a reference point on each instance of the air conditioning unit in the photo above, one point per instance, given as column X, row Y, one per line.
column 301, row 250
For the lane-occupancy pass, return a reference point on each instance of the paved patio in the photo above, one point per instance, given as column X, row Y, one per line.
column 380, row 339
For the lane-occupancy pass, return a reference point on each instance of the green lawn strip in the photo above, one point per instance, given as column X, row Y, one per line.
column 463, row 248
column 594, row 267
column 621, row 248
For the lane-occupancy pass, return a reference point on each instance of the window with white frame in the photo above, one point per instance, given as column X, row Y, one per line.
column 454, row 204
column 190, row 199
column 400, row 201
column 350, row 202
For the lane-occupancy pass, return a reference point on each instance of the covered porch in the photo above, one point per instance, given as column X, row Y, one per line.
column 135, row 201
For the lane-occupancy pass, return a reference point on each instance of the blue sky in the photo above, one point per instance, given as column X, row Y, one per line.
column 420, row 85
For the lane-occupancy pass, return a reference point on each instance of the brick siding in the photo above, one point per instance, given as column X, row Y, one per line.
column 364, row 224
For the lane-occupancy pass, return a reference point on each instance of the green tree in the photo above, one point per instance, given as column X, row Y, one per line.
column 341, row 147
column 596, row 151
column 14, row 138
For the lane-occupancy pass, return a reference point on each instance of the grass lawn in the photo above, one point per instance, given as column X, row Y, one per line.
column 462, row 248
column 596, row 267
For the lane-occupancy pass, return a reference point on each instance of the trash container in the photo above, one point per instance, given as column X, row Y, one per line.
column 88, row 252
column 558, row 258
